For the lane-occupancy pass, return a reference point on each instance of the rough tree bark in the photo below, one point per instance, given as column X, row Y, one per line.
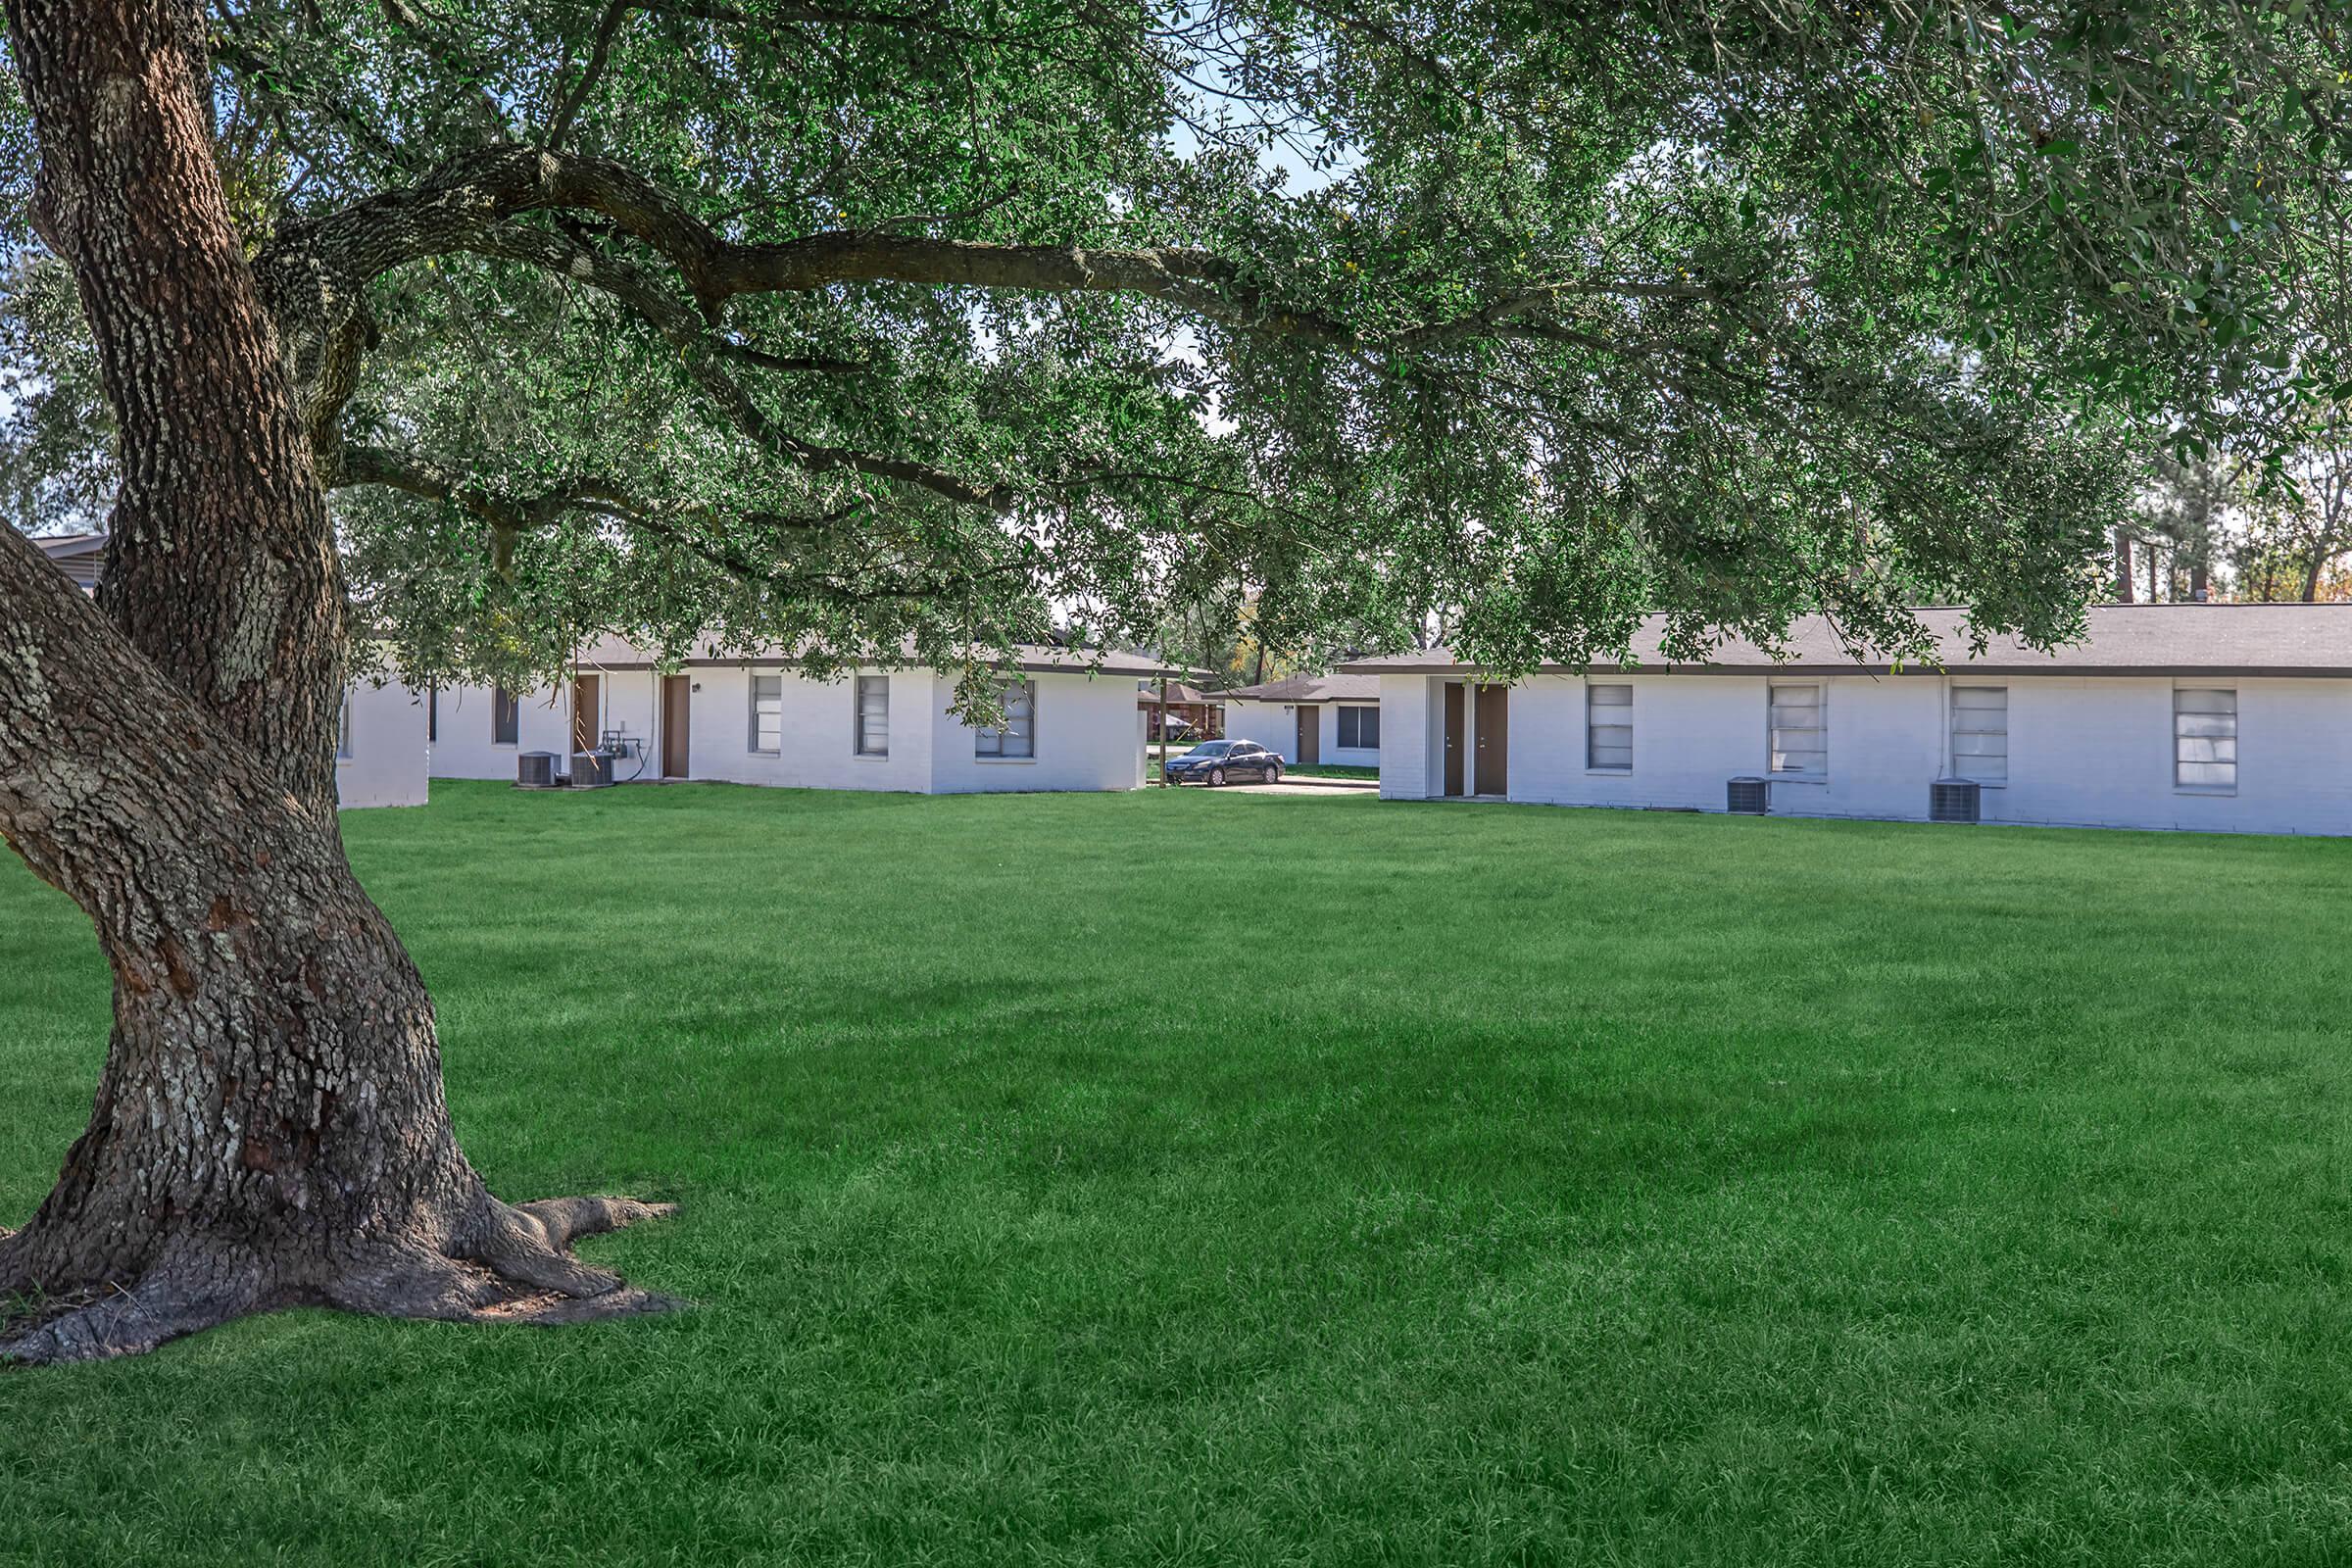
column 269, row 1127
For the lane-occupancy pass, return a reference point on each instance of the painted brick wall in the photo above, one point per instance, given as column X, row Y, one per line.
column 387, row 765
column 2088, row 752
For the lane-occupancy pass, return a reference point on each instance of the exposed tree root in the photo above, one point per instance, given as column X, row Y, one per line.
column 188, row 1288
column 513, row 1264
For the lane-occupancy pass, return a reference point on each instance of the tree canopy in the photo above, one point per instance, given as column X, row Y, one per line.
column 846, row 326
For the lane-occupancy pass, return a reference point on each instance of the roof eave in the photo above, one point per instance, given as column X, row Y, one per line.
column 2208, row 671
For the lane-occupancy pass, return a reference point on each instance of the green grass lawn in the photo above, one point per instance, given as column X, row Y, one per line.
column 1525, row 1185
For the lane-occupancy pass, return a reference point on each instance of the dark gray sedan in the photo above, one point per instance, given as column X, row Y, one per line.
column 1224, row 761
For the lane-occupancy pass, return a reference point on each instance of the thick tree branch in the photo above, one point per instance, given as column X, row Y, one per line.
column 509, row 518
column 559, row 124
column 465, row 205
column 570, row 259
column 573, row 261
column 434, row 480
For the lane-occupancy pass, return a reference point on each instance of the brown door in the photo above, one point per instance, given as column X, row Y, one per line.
column 1493, row 740
column 1309, row 750
column 676, row 701
column 1454, row 739
column 586, row 710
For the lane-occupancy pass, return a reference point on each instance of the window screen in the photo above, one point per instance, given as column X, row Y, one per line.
column 2205, row 738
column 1800, row 731
column 768, row 714
column 1018, row 735
column 506, row 717
column 1609, row 726
column 874, row 716
column 1980, row 733
column 1359, row 728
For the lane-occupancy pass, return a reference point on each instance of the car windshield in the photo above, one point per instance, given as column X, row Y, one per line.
column 1210, row 749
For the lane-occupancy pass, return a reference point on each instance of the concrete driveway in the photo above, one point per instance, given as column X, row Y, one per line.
column 1304, row 789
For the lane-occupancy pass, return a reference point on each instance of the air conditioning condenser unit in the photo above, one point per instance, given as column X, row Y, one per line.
column 1955, row 800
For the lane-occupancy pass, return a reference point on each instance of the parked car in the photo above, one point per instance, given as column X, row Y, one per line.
column 1221, row 762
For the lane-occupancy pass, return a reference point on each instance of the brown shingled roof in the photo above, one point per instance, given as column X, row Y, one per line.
column 1149, row 695
column 1309, row 689
column 2176, row 639
column 611, row 653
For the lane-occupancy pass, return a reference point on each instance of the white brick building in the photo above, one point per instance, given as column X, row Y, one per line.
column 2213, row 717
column 1311, row 719
column 759, row 721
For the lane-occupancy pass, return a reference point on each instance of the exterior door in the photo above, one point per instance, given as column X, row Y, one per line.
column 1453, row 738
column 1311, row 737
column 587, row 710
column 1493, row 740
column 678, row 701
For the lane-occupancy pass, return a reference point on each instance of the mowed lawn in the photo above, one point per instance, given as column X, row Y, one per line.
column 1187, row 1178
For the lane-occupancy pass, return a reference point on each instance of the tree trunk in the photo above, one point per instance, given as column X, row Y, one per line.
column 269, row 1128
column 2331, row 499
column 227, row 580
column 2123, row 567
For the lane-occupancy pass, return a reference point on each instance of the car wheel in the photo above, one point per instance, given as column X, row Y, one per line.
column 1273, row 772
column 1216, row 776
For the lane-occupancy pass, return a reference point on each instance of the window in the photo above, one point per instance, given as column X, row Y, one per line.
column 2205, row 739
column 1609, row 727
column 767, row 714
column 874, row 716
column 1359, row 728
column 1980, row 733
column 506, row 717
column 343, row 731
column 1800, row 732
column 1018, row 736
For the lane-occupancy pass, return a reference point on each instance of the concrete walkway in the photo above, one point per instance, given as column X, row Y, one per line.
column 1304, row 789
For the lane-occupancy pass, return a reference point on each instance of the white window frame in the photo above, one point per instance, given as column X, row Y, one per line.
column 751, row 739
column 1004, row 734
column 1594, row 708
column 1340, row 726
column 1820, row 728
column 857, row 736
column 2231, row 736
column 1960, row 764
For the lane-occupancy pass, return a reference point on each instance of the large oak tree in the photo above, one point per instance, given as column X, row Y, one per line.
column 863, row 329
